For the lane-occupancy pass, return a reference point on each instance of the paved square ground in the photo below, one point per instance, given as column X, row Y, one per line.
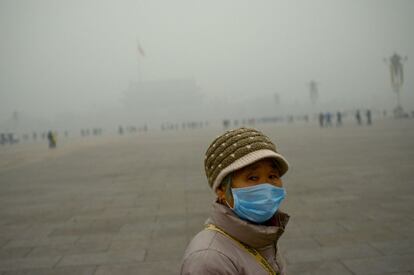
column 130, row 205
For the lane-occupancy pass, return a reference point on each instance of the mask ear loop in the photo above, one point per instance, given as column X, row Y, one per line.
column 228, row 194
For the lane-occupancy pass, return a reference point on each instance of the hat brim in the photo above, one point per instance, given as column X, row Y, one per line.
column 249, row 159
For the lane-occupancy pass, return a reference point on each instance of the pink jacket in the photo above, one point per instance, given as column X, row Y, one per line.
column 211, row 252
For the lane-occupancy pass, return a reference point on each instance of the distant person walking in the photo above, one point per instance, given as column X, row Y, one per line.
column 358, row 117
column 52, row 139
column 321, row 119
column 3, row 139
column 226, row 123
column 338, row 119
column 328, row 121
column 368, row 114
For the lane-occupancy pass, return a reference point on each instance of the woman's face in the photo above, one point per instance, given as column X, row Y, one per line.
column 262, row 171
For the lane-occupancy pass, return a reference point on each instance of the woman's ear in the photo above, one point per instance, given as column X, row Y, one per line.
column 221, row 194
column 222, row 198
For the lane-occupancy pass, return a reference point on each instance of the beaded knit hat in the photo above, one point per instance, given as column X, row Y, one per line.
column 236, row 149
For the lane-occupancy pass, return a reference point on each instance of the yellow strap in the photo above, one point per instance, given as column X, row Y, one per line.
column 259, row 258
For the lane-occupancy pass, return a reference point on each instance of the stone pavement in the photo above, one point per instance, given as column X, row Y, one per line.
column 130, row 205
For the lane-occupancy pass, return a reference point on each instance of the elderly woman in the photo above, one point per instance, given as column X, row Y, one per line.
column 244, row 170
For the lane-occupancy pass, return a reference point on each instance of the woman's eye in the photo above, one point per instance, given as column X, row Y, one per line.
column 273, row 177
column 254, row 178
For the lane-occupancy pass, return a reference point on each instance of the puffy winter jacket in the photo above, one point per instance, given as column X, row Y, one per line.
column 211, row 252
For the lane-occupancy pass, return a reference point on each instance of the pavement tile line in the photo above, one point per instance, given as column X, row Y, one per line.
column 346, row 267
column 57, row 263
column 375, row 248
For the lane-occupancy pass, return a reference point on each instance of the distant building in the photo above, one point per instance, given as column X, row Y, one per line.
column 164, row 100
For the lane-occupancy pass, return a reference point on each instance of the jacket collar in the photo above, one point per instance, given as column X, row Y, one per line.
column 254, row 235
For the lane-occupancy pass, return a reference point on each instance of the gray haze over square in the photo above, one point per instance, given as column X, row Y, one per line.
column 135, row 91
column 71, row 62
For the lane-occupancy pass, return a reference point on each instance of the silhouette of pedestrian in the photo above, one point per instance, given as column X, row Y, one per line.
column 369, row 120
column 338, row 118
column 321, row 119
column 358, row 117
column 11, row 139
column 3, row 139
column 52, row 139
column 328, row 116
column 226, row 123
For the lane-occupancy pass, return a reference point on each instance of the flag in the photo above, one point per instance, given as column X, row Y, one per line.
column 140, row 49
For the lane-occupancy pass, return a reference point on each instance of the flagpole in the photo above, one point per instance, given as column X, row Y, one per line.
column 139, row 69
column 139, row 77
column 140, row 53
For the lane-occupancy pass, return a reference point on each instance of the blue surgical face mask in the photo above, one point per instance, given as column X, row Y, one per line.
column 257, row 203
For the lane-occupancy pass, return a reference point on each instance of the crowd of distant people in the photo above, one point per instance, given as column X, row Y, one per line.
column 131, row 129
column 188, row 125
column 325, row 119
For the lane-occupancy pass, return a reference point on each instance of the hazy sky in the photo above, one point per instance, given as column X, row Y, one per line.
column 77, row 56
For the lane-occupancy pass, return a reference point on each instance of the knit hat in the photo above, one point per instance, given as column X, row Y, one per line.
column 236, row 149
